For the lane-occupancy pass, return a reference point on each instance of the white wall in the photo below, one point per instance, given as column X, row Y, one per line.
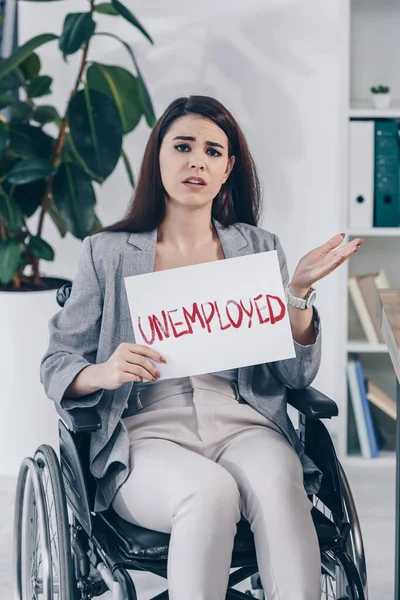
column 375, row 47
column 280, row 67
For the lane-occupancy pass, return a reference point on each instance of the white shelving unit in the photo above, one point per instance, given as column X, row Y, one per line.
column 362, row 347
column 372, row 45
column 364, row 110
column 375, row 232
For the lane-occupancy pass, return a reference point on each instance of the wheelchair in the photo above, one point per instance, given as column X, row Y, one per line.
column 64, row 550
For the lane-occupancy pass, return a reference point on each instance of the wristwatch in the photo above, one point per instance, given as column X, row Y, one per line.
column 306, row 302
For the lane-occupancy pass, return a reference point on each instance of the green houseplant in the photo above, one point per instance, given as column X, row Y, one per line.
column 54, row 173
column 380, row 96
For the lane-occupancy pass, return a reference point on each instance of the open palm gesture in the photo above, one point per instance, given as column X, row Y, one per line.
column 321, row 261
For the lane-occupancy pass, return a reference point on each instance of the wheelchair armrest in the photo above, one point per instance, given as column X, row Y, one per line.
column 80, row 420
column 312, row 403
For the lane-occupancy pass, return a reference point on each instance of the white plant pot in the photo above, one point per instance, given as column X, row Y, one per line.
column 381, row 100
column 28, row 418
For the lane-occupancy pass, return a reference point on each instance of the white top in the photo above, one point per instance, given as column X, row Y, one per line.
column 229, row 374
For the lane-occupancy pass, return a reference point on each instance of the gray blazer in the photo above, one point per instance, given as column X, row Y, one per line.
column 96, row 319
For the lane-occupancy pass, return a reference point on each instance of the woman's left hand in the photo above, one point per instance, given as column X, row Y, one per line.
column 320, row 262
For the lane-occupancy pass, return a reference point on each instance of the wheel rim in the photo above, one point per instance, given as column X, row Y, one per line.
column 32, row 567
column 30, row 527
column 53, row 529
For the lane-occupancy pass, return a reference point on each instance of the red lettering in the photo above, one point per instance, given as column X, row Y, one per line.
column 161, row 330
column 165, row 324
column 176, row 334
column 275, row 318
column 260, row 317
column 248, row 313
column 208, row 318
column 240, row 318
column 223, row 327
column 153, row 333
column 193, row 316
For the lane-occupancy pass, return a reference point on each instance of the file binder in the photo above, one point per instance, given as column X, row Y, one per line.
column 367, row 411
column 355, row 396
column 361, row 176
column 387, row 165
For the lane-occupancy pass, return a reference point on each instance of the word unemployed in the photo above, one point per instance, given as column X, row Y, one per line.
column 208, row 315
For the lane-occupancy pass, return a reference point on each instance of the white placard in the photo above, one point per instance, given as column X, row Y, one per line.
column 213, row 316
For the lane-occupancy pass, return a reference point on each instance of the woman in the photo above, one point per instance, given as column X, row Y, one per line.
column 188, row 456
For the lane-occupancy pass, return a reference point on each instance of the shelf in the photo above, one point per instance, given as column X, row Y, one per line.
column 365, row 110
column 385, row 458
column 374, row 232
column 366, row 348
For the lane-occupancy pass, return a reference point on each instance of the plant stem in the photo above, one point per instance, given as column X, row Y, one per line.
column 3, row 231
column 58, row 149
column 17, row 280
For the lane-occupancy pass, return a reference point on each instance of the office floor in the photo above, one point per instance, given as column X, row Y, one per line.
column 373, row 488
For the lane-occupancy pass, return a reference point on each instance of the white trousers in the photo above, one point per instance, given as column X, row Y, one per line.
column 197, row 461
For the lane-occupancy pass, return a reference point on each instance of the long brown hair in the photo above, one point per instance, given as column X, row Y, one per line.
column 238, row 200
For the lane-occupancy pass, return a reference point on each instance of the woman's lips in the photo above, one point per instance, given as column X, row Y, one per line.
column 194, row 185
column 199, row 181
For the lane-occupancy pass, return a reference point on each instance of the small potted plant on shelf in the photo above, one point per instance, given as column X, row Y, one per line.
column 381, row 96
column 48, row 164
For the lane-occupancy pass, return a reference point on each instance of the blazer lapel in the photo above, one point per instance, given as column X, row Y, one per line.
column 141, row 254
column 232, row 240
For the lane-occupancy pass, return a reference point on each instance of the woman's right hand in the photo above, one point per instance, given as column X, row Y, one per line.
column 129, row 362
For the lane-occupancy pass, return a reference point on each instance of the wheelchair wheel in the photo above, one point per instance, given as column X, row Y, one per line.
column 340, row 579
column 42, row 555
column 355, row 542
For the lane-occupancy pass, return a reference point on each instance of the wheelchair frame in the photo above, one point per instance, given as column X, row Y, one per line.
column 96, row 539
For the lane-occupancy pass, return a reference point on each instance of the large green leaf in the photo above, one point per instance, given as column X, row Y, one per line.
column 126, row 13
column 78, row 29
column 148, row 109
column 106, row 8
column 11, row 213
column 20, row 111
column 7, row 100
column 4, row 138
column 22, row 52
column 30, row 67
column 10, row 259
column 97, row 227
column 128, row 168
column 46, row 114
column 39, row 86
column 40, row 248
column 70, row 154
column 29, row 196
column 57, row 218
column 13, row 80
column 121, row 87
column 75, row 199
column 31, row 169
column 96, row 131
column 28, row 140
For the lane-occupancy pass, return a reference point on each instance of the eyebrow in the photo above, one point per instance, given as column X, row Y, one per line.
column 189, row 138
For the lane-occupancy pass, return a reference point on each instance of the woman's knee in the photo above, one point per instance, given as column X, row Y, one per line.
column 216, row 493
